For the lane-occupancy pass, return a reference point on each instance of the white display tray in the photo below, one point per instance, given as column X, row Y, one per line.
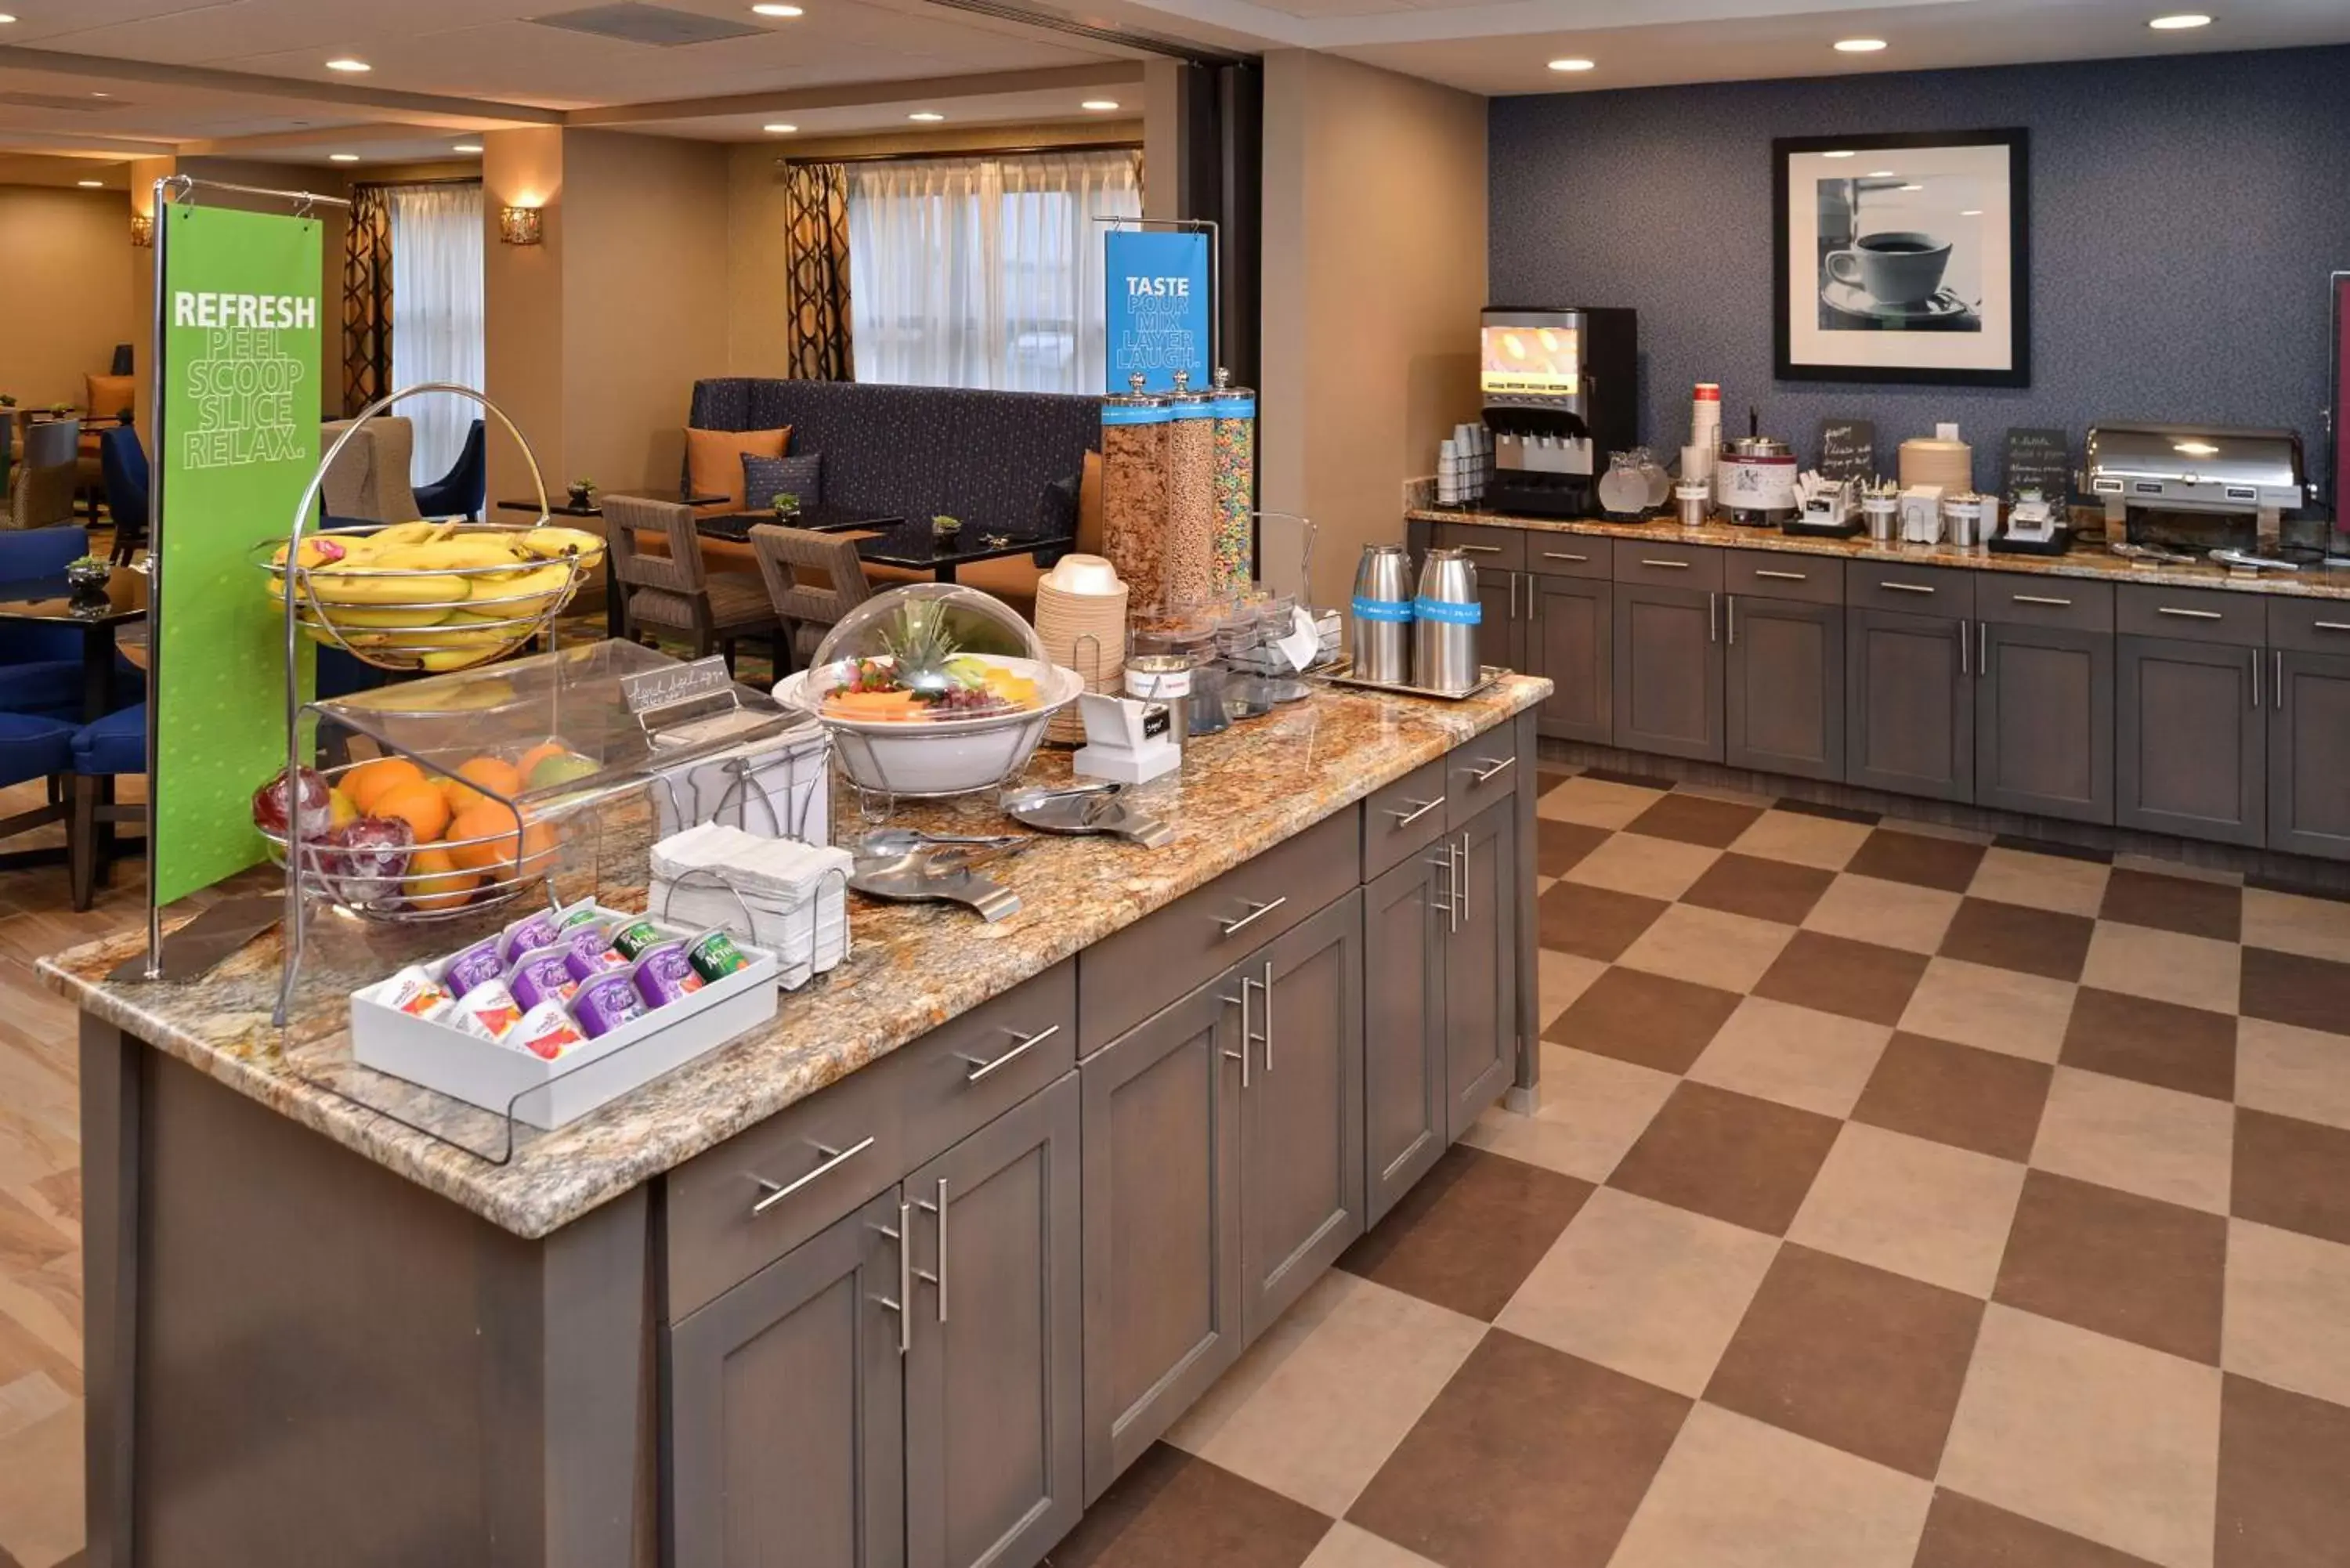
column 545, row 1095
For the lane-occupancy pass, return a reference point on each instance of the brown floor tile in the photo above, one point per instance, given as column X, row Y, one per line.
column 1898, row 857
column 1853, row 1356
column 1836, row 974
column 1471, row 1232
column 1636, row 1016
column 1595, row 922
column 1527, row 1457
column 2135, row 1267
column 1766, row 889
column 2013, row 936
column 2185, row 904
column 2295, row 1175
column 1831, row 812
column 1693, row 819
column 2313, row 994
column 1963, row 1533
column 1559, row 845
column 2055, row 847
column 1728, row 1155
column 1625, row 776
column 2152, row 1042
column 1172, row 1511
column 2283, row 1458
column 1957, row 1095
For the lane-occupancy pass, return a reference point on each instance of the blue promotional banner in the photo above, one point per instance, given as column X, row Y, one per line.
column 1159, row 304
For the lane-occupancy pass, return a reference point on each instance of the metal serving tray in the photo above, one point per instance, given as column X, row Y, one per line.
column 1343, row 674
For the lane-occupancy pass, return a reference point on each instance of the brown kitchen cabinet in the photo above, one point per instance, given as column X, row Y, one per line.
column 1406, row 920
column 1667, row 674
column 1910, row 695
column 2309, row 753
column 2190, row 739
column 1481, row 966
column 1784, row 675
column 1568, row 639
column 2044, row 719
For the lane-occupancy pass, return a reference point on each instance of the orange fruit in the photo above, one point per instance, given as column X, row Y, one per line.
column 368, row 779
column 539, row 842
column 487, row 820
column 435, row 883
column 539, row 754
column 420, row 805
column 496, row 776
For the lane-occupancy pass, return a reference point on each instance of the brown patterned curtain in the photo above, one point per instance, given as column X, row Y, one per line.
column 815, row 231
column 367, row 299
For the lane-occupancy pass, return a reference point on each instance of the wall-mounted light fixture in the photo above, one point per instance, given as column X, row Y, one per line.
column 142, row 231
column 520, row 226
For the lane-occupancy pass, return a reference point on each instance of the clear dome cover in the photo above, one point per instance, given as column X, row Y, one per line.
column 929, row 651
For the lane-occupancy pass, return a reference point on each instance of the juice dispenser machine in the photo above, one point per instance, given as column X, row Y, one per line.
column 1559, row 390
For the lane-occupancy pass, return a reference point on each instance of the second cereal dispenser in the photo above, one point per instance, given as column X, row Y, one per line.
column 1136, row 430
column 1187, row 563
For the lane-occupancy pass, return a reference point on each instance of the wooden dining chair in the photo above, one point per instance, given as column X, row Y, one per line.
column 813, row 579
column 43, row 492
column 677, row 592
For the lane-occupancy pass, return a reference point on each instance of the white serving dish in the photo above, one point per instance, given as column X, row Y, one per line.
column 944, row 756
column 545, row 1095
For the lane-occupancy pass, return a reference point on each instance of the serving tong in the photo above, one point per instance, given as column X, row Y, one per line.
column 936, row 872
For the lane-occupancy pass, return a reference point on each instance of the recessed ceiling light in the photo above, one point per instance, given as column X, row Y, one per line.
column 1971, row 212
column 1859, row 46
column 1879, row 174
column 777, row 11
column 102, row 95
column 779, row 130
column 342, row 158
column 1099, row 105
column 1839, row 154
column 925, row 115
column 6, row 18
column 2179, row 23
column 1913, row 187
column 1573, row 65
column 91, row 184
column 348, row 65
column 466, row 147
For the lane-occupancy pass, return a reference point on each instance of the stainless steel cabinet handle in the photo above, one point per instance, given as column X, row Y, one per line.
column 1462, row 899
column 1256, row 912
column 1906, row 587
column 1451, row 909
column 2329, row 625
column 938, row 1280
column 1563, row 556
column 834, row 1160
column 1534, row 598
column 1782, row 577
column 2276, row 684
column 1730, row 619
column 1266, row 1037
column 1419, row 808
column 1484, row 776
column 1712, row 632
column 1479, row 549
column 2188, row 614
column 1513, row 595
column 980, row 1069
column 1240, row 1002
column 1667, row 566
column 2256, row 679
column 1983, row 646
column 2041, row 599
column 905, row 1276
column 1963, row 668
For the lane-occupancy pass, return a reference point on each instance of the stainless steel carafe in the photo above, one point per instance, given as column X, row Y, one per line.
column 1444, row 624
column 1382, row 615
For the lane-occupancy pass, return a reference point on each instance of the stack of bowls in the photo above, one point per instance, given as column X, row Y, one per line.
column 1081, row 621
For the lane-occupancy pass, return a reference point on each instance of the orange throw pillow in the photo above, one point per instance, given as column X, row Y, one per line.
column 1089, row 506
column 713, row 459
column 107, row 396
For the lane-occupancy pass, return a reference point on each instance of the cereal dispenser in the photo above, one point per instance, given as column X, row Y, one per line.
column 1235, row 410
column 1137, row 427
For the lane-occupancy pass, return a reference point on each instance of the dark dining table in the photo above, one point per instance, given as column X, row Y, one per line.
column 50, row 601
column 909, row 544
column 615, row 620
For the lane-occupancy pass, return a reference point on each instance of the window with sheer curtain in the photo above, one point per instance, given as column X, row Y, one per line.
column 984, row 272
column 436, row 301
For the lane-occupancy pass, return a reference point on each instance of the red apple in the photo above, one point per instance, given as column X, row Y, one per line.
column 272, row 810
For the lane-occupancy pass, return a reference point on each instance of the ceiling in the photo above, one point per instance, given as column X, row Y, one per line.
column 114, row 79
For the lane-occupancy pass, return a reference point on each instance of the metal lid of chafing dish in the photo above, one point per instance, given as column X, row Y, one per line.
column 2208, row 462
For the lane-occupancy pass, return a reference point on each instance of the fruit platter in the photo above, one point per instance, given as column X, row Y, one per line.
column 435, row 597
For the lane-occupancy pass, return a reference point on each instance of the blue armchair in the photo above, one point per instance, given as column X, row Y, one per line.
column 464, row 491
column 115, row 745
column 33, row 748
column 123, row 465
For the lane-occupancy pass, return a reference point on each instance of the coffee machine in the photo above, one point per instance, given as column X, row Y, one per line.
column 1559, row 389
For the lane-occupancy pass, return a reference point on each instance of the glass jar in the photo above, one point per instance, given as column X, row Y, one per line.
column 1136, row 427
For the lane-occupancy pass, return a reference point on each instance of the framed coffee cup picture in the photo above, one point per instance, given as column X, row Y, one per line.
column 1904, row 257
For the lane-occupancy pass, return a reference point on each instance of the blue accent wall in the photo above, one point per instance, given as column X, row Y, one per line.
column 2185, row 213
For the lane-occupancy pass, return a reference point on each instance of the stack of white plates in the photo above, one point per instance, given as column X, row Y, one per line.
column 1081, row 620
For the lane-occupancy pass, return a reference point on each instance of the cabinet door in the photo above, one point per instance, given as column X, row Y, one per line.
column 1161, row 1110
column 1909, row 704
column 1302, row 1113
column 1481, row 967
column 2309, row 754
column 787, row 1411
column 1667, row 672
column 1785, row 671
column 1405, row 1127
column 994, row 1455
column 1500, row 638
column 2190, row 739
column 2045, row 728
column 1568, row 640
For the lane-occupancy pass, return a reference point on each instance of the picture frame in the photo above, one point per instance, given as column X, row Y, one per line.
column 1903, row 257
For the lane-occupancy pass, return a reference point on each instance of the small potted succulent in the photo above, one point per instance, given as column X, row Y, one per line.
column 583, row 494
column 8, row 399
column 785, row 505
column 945, row 528
column 88, row 577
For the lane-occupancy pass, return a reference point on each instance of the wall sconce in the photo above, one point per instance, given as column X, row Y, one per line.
column 142, row 231
column 520, row 226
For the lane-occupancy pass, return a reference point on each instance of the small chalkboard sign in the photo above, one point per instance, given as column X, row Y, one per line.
column 2042, row 460
column 1849, row 448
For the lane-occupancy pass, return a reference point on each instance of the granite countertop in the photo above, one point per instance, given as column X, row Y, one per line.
column 2083, row 561
column 912, row 966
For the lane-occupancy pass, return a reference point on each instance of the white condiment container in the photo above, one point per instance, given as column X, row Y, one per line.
column 1922, row 514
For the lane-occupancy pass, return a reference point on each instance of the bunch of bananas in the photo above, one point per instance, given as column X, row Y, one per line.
column 433, row 596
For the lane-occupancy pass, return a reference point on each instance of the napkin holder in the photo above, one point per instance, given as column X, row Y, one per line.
column 1127, row 739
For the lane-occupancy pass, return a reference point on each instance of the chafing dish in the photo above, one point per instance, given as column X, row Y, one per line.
column 2205, row 470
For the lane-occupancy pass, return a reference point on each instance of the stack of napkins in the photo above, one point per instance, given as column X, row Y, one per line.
column 778, row 893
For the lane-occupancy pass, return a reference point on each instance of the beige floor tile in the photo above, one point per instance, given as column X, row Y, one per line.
column 1724, row 794
column 1997, row 1009
column 2288, row 1305
column 2293, row 1072
column 1955, row 834
column 28, row 1399
column 1543, row 884
column 1636, row 863
column 1796, row 1055
column 1563, row 977
column 2041, row 881
column 40, row 1489
column 2158, row 1143
column 1348, row 1547
column 2313, row 928
column 1596, row 803
column 1737, row 1493
column 1317, row 1423
column 1912, row 1207
column 1649, row 1290
column 1708, row 947
column 1817, row 841
column 2095, row 1435
column 2193, row 972
column 2154, row 865
column 1890, row 914
column 1594, row 1108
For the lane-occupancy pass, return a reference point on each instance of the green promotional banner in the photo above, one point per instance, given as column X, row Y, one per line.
column 239, row 375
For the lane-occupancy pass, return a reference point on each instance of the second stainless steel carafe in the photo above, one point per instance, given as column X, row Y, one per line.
column 1382, row 615
column 1444, row 624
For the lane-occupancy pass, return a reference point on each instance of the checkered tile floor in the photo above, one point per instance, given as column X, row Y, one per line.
column 1899, row 1198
